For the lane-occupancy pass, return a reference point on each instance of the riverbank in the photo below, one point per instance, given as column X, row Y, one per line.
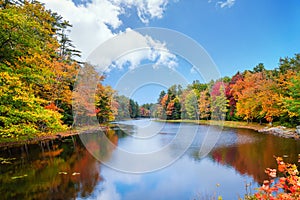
column 280, row 131
column 10, row 142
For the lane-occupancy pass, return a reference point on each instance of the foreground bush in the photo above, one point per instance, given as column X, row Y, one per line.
column 283, row 183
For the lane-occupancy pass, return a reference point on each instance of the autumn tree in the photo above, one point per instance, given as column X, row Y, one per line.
column 162, row 107
column 105, row 103
column 218, row 101
column 204, row 105
column 257, row 97
column 26, row 49
column 289, row 94
column 173, row 109
column 230, row 97
column 269, row 99
column 245, row 93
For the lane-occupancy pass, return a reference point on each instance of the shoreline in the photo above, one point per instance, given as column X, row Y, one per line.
column 279, row 131
column 53, row 136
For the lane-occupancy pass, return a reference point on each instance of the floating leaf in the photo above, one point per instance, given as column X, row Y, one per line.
column 18, row 177
column 6, row 162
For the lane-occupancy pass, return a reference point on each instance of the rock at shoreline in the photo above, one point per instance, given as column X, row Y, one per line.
column 281, row 131
column 298, row 130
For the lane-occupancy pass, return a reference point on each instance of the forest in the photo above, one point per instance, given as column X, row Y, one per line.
column 39, row 65
column 257, row 95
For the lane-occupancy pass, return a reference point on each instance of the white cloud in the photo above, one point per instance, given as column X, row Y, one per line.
column 227, row 3
column 131, row 48
column 94, row 22
column 146, row 9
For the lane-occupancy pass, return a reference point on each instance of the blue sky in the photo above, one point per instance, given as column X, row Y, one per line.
column 239, row 37
column 237, row 34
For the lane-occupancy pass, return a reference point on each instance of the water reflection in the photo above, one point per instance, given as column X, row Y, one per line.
column 49, row 170
column 252, row 152
column 66, row 170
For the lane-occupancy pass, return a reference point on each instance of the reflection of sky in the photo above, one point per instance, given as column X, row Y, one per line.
column 189, row 177
column 185, row 179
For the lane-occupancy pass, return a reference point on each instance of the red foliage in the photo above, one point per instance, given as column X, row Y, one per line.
column 286, row 187
column 229, row 92
column 52, row 106
column 215, row 90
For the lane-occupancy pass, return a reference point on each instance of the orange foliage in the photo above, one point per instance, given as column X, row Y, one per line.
column 286, row 187
column 52, row 106
column 164, row 101
column 257, row 97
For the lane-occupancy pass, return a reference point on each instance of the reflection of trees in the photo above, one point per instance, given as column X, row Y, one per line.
column 60, row 170
column 253, row 158
column 101, row 143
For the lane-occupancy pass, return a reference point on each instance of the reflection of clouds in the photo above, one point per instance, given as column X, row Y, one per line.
column 109, row 192
column 230, row 138
column 151, row 154
column 182, row 180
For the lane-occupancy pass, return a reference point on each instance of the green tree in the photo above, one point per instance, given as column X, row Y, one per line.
column 191, row 105
column 259, row 68
column 123, row 107
column 292, row 101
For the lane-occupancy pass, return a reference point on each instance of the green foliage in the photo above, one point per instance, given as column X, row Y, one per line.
column 21, row 112
column 191, row 105
column 127, row 108
column 292, row 102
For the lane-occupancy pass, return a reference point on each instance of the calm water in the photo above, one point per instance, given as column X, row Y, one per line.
column 66, row 170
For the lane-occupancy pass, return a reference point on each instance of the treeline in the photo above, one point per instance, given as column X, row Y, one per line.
column 258, row 95
column 38, row 69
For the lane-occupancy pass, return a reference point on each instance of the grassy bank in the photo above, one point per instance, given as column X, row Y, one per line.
column 230, row 124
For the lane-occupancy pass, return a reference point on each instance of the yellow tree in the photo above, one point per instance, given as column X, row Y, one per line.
column 106, row 108
column 269, row 99
column 204, row 104
column 257, row 97
column 245, row 92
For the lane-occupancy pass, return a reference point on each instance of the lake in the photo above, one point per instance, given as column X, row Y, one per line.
column 144, row 159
